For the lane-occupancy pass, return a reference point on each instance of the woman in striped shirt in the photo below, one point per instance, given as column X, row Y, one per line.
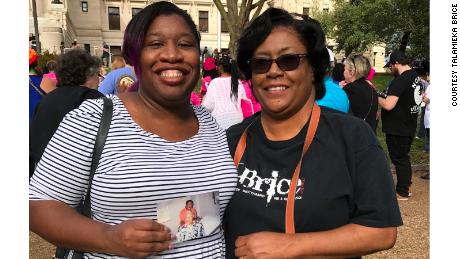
column 158, row 148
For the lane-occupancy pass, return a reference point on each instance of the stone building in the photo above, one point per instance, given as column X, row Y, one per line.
column 92, row 22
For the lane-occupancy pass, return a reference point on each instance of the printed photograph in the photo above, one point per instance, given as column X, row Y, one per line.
column 191, row 217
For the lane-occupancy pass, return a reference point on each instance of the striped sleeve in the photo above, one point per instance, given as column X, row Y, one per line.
column 63, row 171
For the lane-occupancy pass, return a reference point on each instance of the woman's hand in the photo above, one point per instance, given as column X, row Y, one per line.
column 262, row 245
column 139, row 238
column 425, row 99
column 346, row 241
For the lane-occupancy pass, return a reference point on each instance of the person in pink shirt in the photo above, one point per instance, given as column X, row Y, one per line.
column 252, row 106
column 49, row 81
column 371, row 74
column 194, row 99
column 225, row 94
column 209, row 73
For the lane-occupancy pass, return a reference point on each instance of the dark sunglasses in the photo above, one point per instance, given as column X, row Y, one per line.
column 285, row 62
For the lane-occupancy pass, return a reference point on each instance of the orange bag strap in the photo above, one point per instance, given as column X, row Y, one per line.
column 241, row 147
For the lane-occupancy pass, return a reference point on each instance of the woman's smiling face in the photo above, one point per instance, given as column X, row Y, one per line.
column 169, row 60
column 283, row 93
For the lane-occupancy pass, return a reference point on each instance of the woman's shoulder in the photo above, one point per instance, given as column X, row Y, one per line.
column 337, row 118
column 206, row 118
column 357, row 85
column 221, row 80
column 218, row 83
column 347, row 127
column 68, row 97
column 239, row 127
column 93, row 108
column 234, row 132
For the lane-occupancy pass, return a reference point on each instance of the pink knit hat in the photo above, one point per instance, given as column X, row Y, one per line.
column 209, row 63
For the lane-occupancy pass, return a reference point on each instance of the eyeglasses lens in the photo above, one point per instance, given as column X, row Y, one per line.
column 285, row 62
column 288, row 62
column 260, row 65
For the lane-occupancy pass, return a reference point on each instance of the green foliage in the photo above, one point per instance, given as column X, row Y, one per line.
column 44, row 58
column 198, row 86
column 363, row 23
column 327, row 22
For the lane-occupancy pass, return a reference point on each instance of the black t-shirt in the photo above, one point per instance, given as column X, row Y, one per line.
column 402, row 119
column 344, row 178
column 363, row 101
column 50, row 112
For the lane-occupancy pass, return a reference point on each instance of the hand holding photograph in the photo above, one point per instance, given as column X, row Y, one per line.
column 191, row 217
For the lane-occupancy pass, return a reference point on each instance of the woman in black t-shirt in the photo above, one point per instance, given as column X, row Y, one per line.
column 363, row 98
column 343, row 203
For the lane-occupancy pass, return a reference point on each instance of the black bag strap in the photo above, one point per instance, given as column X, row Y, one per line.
column 101, row 136
column 38, row 89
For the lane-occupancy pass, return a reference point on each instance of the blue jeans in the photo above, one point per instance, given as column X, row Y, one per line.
column 398, row 148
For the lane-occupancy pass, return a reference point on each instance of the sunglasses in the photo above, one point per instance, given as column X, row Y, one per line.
column 285, row 62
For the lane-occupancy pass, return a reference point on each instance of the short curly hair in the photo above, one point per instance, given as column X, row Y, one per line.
column 309, row 30
column 75, row 66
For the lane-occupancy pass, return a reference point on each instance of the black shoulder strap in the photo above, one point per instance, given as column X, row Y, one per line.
column 101, row 136
column 38, row 89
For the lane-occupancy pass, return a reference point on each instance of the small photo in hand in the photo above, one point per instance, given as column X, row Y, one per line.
column 191, row 217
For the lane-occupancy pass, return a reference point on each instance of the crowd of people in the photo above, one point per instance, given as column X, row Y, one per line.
column 285, row 135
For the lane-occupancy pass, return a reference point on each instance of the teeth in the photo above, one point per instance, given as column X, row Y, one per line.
column 277, row 88
column 171, row 73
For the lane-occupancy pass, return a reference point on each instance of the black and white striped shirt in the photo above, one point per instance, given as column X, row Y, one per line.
column 137, row 170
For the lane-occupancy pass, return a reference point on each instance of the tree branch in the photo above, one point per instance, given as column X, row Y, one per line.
column 244, row 16
column 232, row 8
column 259, row 6
column 224, row 14
column 242, row 7
column 260, row 2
